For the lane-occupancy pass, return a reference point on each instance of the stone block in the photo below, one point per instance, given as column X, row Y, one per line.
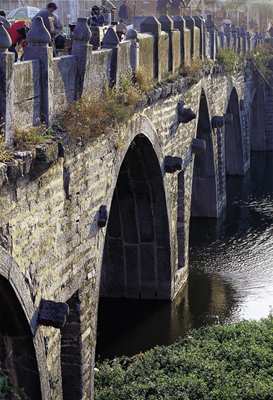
column 52, row 313
column 172, row 164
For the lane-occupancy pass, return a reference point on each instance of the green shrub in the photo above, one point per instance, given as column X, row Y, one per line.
column 230, row 60
column 215, row 362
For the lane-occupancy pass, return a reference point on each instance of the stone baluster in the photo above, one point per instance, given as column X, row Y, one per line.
column 38, row 39
column 180, row 24
column 228, row 34
column 239, row 39
column 6, row 86
column 190, row 24
column 83, row 51
column 167, row 26
column 256, row 40
column 131, row 34
column 153, row 26
column 111, row 41
column 248, row 38
column 243, row 36
column 199, row 23
column 211, row 29
column 233, row 36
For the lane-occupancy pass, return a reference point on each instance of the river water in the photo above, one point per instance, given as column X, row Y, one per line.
column 230, row 275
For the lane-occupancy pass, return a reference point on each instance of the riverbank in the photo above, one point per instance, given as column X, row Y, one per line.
column 213, row 362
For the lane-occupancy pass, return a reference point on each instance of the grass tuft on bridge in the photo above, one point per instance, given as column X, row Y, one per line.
column 214, row 362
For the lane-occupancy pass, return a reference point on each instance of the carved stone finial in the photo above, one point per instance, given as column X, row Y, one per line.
column 5, row 40
column 185, row 115
column 166, row 23
column 152, row 25
column 209, row 24
column 110, row 39
column 131, row 34
column 82, row 32
column 38, row 35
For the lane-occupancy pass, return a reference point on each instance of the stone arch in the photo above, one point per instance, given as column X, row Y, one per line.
column 233, row 137
column 257, row 120
column 17, row 352
column 21, row 345
column 204, row 186
column 136, row 261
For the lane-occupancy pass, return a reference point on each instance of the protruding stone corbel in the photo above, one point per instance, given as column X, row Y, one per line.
column 52, row 313
column 228, row 119
column 185, row 115
column 172, row 164
column 103, row 216
column 198, row 146
column 217, row 122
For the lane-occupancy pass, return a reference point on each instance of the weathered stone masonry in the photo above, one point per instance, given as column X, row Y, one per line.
column 53, row 246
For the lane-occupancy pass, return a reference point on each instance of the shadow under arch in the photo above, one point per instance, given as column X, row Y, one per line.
column 19, row 295
column 204, row 185
column 233, row 137
column 17, row 353
column 257, row 120
column 136, row 261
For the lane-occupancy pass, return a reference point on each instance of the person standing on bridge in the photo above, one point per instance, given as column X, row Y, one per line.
column 123, row 13
column 222, row 29
column 52, row 21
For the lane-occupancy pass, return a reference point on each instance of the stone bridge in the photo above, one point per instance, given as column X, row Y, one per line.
column 110, row 216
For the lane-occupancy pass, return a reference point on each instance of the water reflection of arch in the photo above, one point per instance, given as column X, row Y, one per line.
column 21, row 347
column 137, row 255
column 204, row 187
column 233, row 137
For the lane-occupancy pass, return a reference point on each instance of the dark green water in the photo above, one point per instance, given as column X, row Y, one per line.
column 230, row 277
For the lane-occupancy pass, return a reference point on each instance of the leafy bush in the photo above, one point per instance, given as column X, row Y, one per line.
column 261, row 57
column 194, row 67
column 8, row 390
column 93, row 114
column 230, row 60
column 141, row 79
column 215, row 362
column 29, row 138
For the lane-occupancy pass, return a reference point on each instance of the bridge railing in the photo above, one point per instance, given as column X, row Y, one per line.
column 41, row 87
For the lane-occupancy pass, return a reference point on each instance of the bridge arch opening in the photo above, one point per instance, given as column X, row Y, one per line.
column 204, row 188
column 233, row 137
column 136, row 261
column 17, row 353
